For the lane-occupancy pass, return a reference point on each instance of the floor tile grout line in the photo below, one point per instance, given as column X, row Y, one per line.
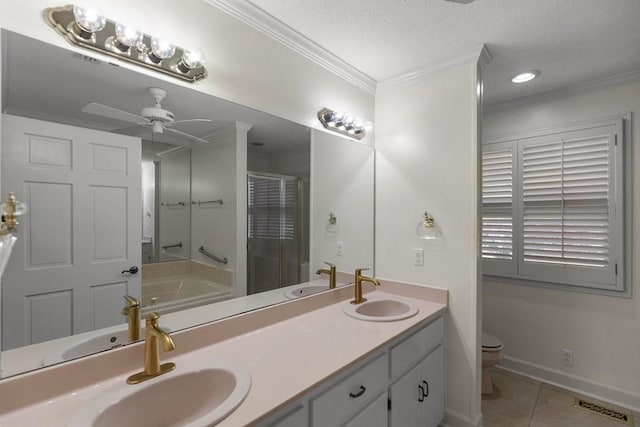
column 533, row 411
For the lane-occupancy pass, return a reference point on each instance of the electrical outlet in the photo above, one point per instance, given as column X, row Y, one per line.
column 566, row 357
column 339, row 248
column 418, row 257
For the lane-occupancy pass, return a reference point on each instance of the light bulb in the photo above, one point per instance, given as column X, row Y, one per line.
column 358, row 125
column 337, row 118
column 193, row 58
column 161, row 49
column 348, row 121
column 368, row 126
column 89, row 19
column 127, row 35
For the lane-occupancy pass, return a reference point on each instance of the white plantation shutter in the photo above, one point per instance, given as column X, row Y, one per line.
column 497, row 208
column 567, row 217
column 271, row 207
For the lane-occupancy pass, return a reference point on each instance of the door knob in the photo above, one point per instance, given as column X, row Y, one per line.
column 132, row 270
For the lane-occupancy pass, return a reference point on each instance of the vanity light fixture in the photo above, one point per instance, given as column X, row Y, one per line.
column 332, row 223
column 11, row 209
column 525, row 77
column 427, row 228
column 88, row 28
column 344, row 123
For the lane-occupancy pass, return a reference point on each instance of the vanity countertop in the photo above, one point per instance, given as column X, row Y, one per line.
column 306, row 342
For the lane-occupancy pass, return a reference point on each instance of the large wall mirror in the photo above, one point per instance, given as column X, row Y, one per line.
column 212, row 213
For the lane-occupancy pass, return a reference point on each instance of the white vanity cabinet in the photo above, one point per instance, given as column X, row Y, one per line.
column 401, row 385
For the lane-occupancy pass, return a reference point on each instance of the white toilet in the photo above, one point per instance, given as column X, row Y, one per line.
column 491, row 354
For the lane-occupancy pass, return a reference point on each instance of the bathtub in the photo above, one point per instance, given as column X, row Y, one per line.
column 173, row 293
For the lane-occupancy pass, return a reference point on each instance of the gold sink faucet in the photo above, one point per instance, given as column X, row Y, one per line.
column 152, row 366
column 331, row 271
column 360, row 279
column 132, row 311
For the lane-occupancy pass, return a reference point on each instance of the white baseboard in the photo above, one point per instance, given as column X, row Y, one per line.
column 454, row 419
column 576, row 384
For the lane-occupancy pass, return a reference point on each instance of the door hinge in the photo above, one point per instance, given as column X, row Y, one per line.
column 389, row 404
column 615, row 139
column 616, row 268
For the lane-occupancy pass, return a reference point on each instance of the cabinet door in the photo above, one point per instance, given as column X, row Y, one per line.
column 417, row 398
column 404, row 394
column 431, row 388
column 376, row 414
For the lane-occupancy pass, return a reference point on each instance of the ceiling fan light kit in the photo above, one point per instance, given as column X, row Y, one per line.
column 90, row 29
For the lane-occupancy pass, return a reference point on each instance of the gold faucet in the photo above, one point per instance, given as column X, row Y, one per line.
column 132, row 311
column 359, row 280
column 331, row 271
column 152, row 366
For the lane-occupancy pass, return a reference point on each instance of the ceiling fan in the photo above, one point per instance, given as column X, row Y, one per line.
column 155, row 117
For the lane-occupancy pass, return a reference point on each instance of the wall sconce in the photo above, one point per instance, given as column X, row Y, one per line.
column 427, row 228
column 10, row 210
column 344, row 123
column 332, row 223
column 88, row 28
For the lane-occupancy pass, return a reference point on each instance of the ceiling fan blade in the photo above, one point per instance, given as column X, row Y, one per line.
column 187, row 121
column 113, row 113
column 186, row 135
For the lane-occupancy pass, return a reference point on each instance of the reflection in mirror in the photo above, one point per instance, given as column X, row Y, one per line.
column 118, row 208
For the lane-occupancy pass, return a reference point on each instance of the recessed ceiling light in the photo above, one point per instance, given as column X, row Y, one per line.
column 525, row 77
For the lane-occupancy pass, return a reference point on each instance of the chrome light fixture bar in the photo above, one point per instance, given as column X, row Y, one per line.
column 89, row 29
column 343, row 123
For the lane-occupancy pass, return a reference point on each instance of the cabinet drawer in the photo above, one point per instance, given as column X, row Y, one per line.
column 346, row 398
column 410, row 351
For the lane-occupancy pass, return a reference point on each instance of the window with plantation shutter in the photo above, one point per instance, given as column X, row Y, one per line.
column 566, row 223
column 497, row 208
column 271, row 207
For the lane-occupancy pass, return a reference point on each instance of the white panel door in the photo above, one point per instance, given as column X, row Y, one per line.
column 81, row 233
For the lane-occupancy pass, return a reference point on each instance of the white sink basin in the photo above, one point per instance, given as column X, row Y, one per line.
column 381, row 310
column 184, row 397
column 304, row 290
column 94, row 343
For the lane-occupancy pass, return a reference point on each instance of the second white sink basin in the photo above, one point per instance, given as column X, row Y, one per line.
column 381, row 310
column 304, row 290
column 93, row 343
column 184, row 397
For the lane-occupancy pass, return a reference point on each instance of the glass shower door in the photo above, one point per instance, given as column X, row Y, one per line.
column 274, row 232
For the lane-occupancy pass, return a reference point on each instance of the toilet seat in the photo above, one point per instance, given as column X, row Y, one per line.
column 490, row 343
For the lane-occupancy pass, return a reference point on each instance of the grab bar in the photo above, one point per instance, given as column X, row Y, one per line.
column 173, row 204
column 175, row 245
column 206, row 202
column 202, row 250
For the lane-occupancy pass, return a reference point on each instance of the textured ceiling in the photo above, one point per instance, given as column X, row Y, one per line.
column 570, row 41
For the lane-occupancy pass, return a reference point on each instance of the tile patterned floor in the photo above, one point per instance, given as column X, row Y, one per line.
column 522, row 402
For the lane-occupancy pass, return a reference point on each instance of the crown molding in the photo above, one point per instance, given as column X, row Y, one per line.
column 260, row 20
column 575, row 89
column 481, row 56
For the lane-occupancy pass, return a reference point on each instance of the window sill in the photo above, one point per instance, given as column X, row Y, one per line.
column 626, row 293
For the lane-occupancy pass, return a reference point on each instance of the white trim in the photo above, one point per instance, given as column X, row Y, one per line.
column 455, row 419
column 575, row 89
column 583, row 386
column 260, row 20
column 480, row 55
